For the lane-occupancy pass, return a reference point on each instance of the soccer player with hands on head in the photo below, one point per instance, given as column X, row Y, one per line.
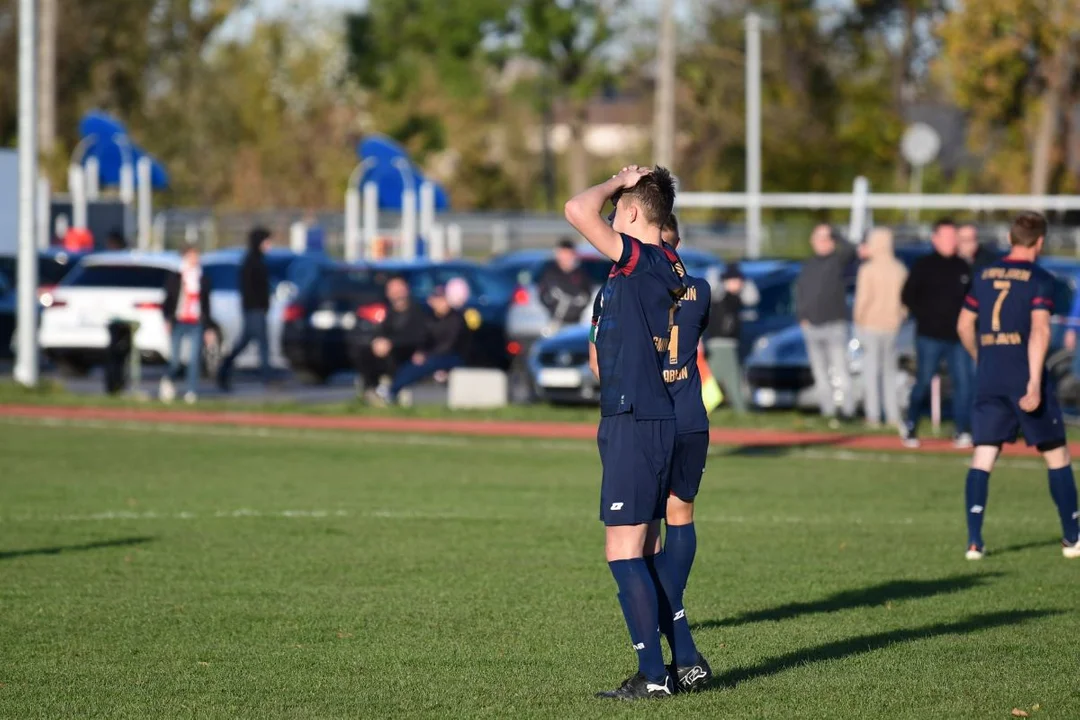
column 636, row 436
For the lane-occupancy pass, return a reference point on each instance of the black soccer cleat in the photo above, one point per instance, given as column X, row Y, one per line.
column 693, row 678
column 639, row 687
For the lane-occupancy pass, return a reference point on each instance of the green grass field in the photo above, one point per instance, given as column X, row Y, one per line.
column 203, row 572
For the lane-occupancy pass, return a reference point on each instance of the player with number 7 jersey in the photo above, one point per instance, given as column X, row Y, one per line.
column 1005, row 325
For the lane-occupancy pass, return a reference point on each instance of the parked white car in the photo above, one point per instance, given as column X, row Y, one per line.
column 130, row 286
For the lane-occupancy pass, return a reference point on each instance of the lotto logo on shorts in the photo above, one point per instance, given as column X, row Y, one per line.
column 616, row 506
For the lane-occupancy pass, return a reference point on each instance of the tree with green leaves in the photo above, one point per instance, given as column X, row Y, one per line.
column 1010, row 65
column 568, row 38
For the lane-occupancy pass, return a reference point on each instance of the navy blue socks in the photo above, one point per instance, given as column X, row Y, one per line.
column 673, row 622
column 975, row 494
column 1063, row 490
column 638, row 598
column 680, row 545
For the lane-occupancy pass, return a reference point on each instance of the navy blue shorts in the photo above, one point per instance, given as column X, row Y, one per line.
column 688, row 464
column 998, row 420
column 636, row 456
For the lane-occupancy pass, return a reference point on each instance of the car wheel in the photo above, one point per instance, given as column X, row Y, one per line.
column 72, row 366
column 521, row 388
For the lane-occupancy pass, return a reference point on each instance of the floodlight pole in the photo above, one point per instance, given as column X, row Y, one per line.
column 664, row 111
column 26, row 363
column 753, row 135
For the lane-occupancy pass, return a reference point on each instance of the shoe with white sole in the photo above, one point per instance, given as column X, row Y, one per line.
column 190, row 398
column 963, row 441
column 1071, row 551
column 908, row 437
column 166, row 390
column 974, row 552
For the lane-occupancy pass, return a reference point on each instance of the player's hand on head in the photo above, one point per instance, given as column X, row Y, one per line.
column 630, row 175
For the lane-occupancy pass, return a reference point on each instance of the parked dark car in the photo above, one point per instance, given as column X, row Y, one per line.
column 340, row 308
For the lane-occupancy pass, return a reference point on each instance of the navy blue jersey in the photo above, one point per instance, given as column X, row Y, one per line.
column 1004, row 294
column 680, row 365
column 638, row 307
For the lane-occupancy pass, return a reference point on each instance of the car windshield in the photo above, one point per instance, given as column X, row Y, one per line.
column 483, row 282
column 352, row 285
column 116, row 276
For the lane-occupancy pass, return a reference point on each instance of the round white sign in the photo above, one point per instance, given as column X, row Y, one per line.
column 920, row 144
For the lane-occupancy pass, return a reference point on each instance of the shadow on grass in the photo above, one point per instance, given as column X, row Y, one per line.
column 56, row 550
column 1020, row 547
column 849, row 599
column 780, row 449
column 868, row 643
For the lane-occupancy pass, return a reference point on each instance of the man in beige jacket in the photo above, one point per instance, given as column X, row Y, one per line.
column 878, row 315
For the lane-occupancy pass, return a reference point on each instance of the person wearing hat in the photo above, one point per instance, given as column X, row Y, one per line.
column 725, row 327
column 445, row 349
column 565, row 289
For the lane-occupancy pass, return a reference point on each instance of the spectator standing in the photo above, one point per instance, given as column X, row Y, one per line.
column 187, row 315
column 878, row 315
column 401, row 338
column 934, row 295
column 968, row 247
column 565, row 289
column 821, row 306
column 255, row 301
column 723, row 333
column 445, row 349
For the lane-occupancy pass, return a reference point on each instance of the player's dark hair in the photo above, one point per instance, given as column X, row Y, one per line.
column 944, row 222
column 565, row 243
column 656, row 194
column 1027, row 228
column 672, row 224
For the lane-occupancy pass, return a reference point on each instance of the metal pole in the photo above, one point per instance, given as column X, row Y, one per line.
column 427, row 209
column 46, row 76
column 408, row 223
column 92, row 176
column 664, row 112
column 44, row 211
column 371, row 218
column 857, row 225
column 26, row 363
column 915, row 189
column 352, row 224
column 145, row 191
column 753, row 135
column 77, row 190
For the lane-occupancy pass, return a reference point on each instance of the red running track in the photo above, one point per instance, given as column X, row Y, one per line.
column 750, row 438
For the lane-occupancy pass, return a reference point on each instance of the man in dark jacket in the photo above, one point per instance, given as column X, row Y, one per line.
column 401, row 338
column 970, row 249
column 934, row 295
column 255, row 301
column 723, row 332
column 447, row 345
column 565, row 289
column 187, row 318
column 821, row 305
